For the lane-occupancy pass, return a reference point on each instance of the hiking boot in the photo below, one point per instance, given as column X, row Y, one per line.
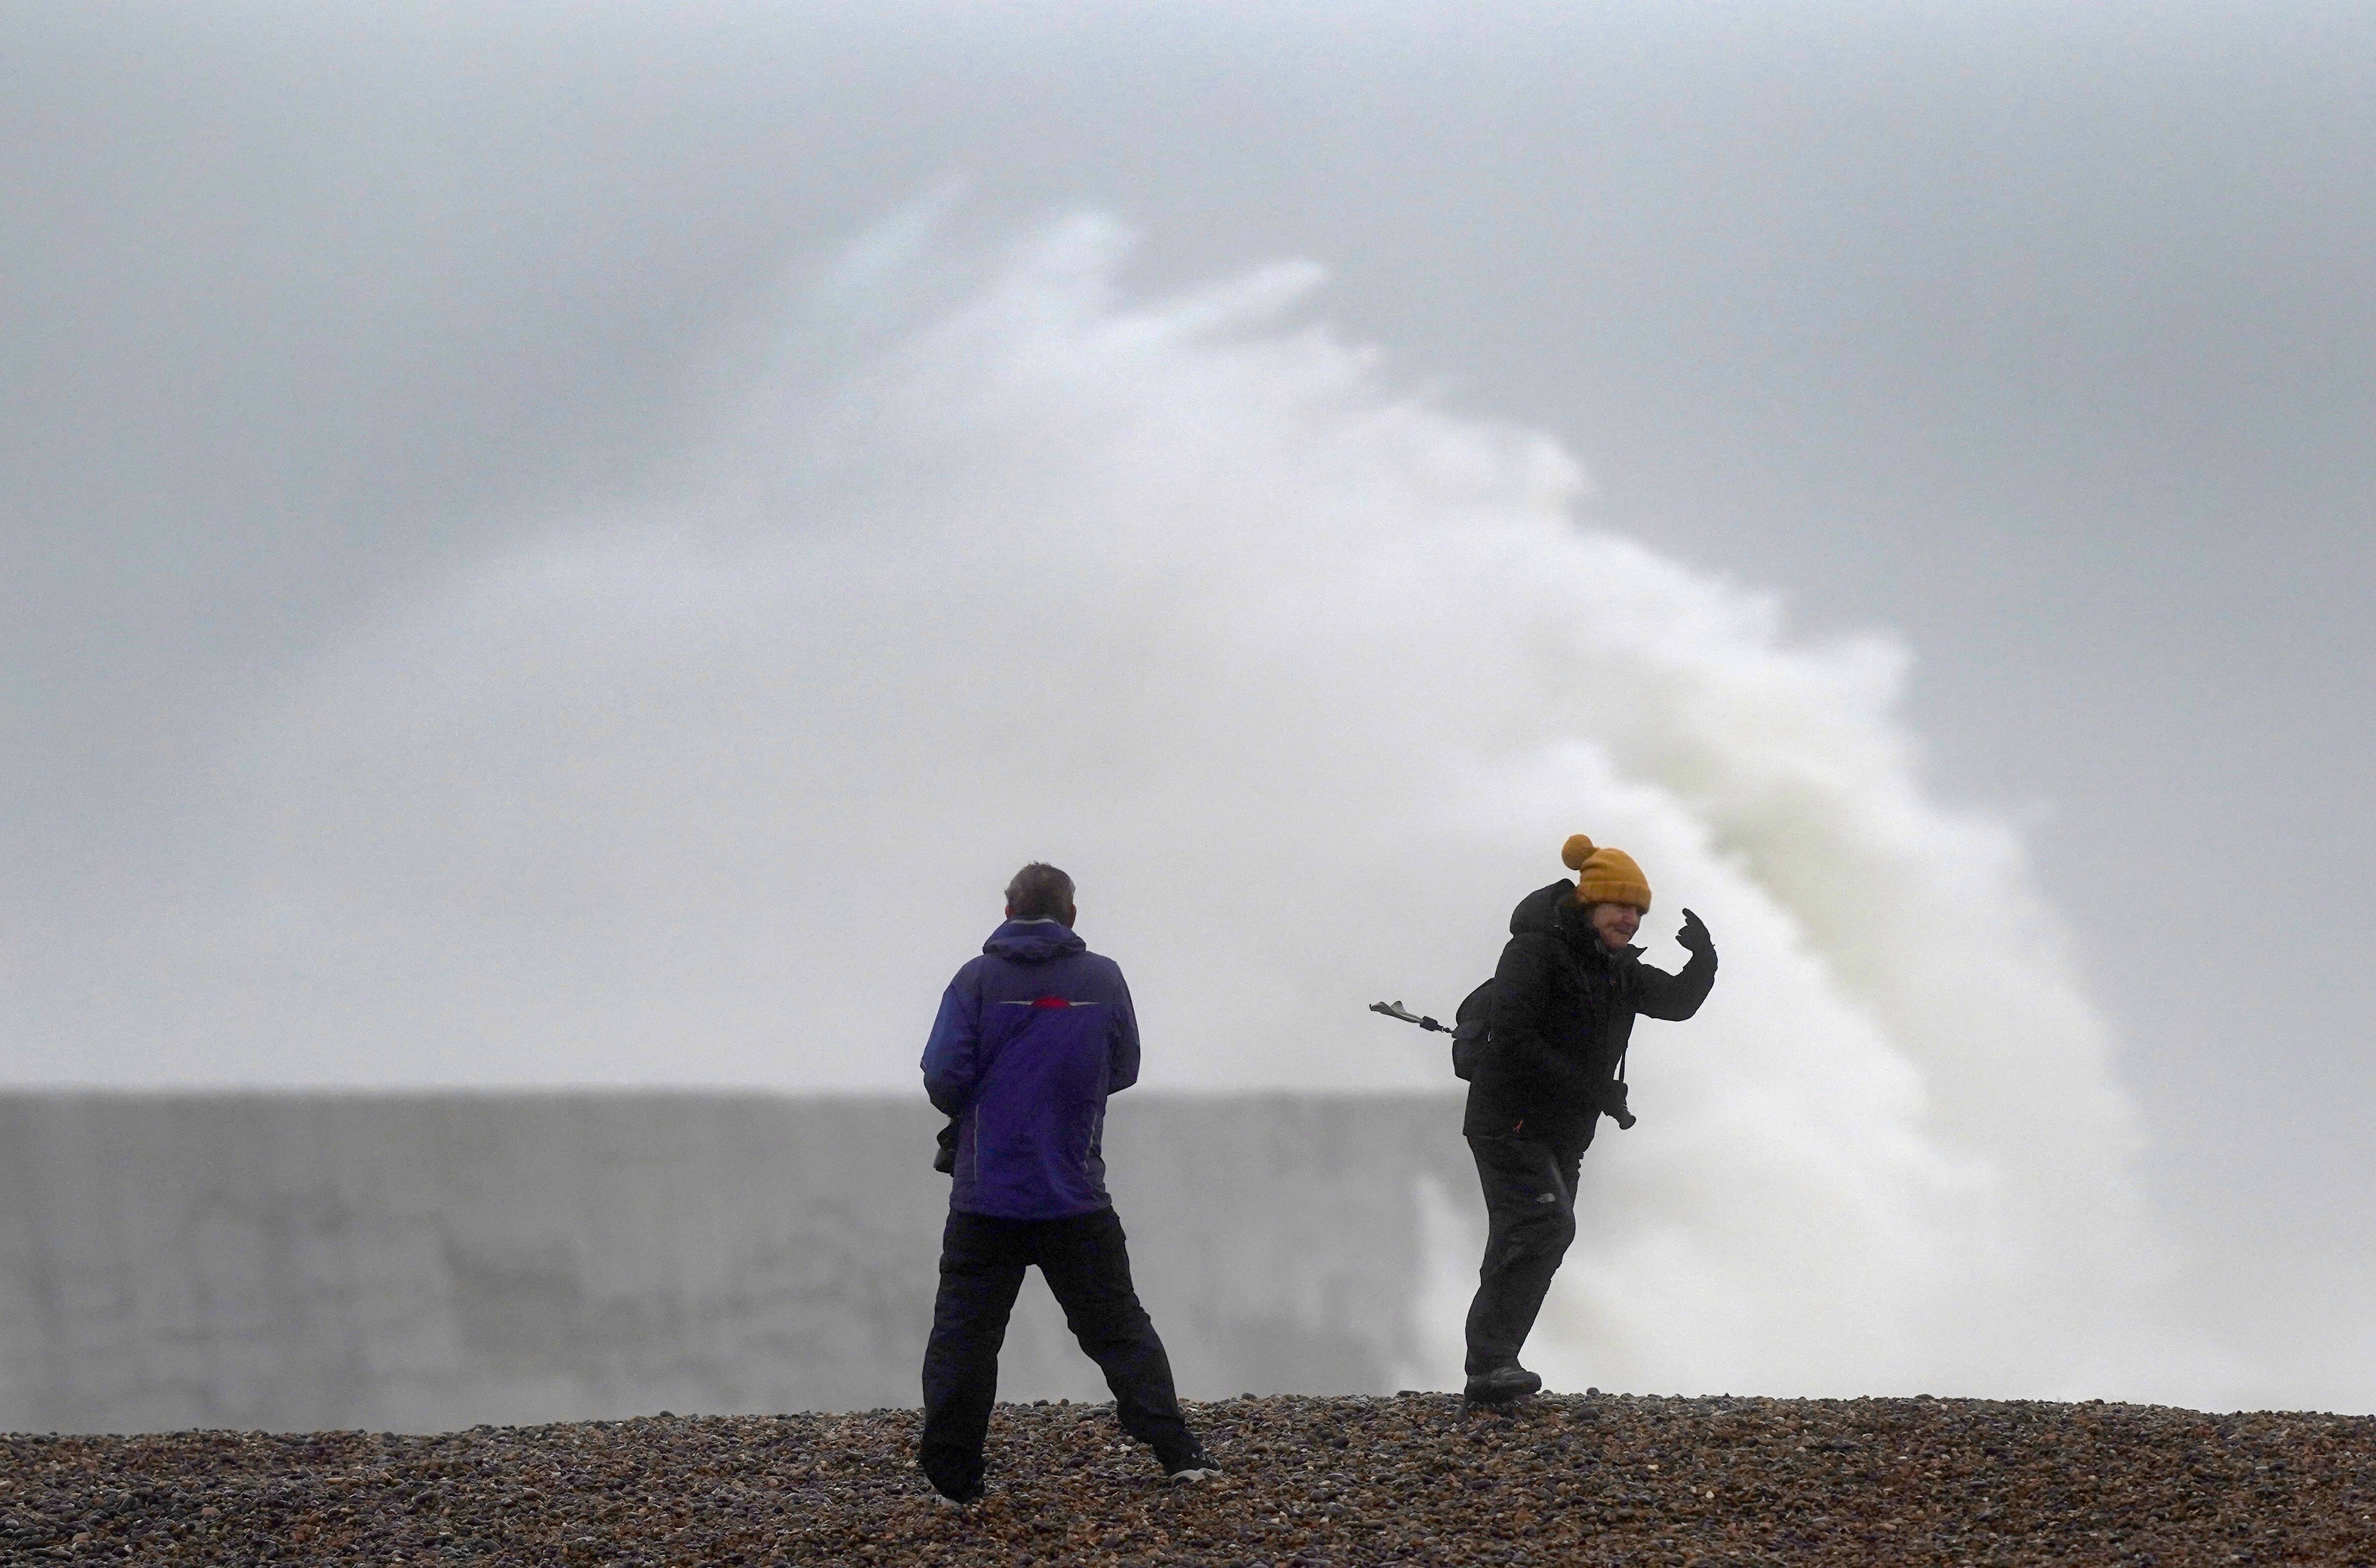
column 1196, row 1466
column 1500, row 1385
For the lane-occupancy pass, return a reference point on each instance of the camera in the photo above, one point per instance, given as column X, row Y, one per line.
column 1610, row 1098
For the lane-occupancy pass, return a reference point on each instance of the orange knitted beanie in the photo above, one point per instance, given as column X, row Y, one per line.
column 1605, row 876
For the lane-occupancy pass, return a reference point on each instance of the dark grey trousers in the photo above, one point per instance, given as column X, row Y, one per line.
column 1530, row 1210
column 1087, row 1264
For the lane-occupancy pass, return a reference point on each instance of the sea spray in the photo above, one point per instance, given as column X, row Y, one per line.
column 1305, row 679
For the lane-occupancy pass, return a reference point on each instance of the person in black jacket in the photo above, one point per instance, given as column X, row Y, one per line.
column 1564, row 998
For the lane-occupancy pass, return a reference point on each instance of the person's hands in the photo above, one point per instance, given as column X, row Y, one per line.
column 1694, row 938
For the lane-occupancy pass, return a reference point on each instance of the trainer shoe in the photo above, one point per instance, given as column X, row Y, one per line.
column 1500, row 1385
column 943, row 1500
column 1196, row 1466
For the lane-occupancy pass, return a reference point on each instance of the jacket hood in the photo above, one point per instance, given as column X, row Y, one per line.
column 1033, row 942
column 1538, row 911
column 1545, row 910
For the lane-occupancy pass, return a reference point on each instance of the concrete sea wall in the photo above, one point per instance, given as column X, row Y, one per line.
column 430, row 1261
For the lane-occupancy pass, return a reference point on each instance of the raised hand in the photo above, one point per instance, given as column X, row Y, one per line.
column 1694, row 938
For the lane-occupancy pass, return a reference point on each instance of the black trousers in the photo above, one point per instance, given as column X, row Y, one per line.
column 1087, row 1264
column 1531, row 1209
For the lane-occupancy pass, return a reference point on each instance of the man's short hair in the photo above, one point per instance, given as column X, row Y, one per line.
column 1040, row 892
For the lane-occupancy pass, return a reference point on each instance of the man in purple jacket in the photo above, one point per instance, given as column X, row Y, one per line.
column 1031, row 1038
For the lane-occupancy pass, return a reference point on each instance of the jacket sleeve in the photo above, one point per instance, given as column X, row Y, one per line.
column 1521, row 993
column 953, row 1055
column 1121, row 1044
column 1658, row 994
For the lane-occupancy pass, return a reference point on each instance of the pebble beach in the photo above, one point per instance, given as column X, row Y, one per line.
column 1409, row 1479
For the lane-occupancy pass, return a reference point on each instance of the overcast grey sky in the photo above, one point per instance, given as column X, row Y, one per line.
column 2035, row 335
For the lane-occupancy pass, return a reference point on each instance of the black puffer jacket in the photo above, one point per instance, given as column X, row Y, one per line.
column 1563, row 1008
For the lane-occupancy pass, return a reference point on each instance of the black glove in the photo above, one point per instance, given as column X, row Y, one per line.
column 1694, row 938
column 944, row 1159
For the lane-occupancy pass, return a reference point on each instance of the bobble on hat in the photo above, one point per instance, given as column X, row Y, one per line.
column 1605, row 876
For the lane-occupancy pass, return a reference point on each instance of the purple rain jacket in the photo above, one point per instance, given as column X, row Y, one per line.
column 1031, row 1038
